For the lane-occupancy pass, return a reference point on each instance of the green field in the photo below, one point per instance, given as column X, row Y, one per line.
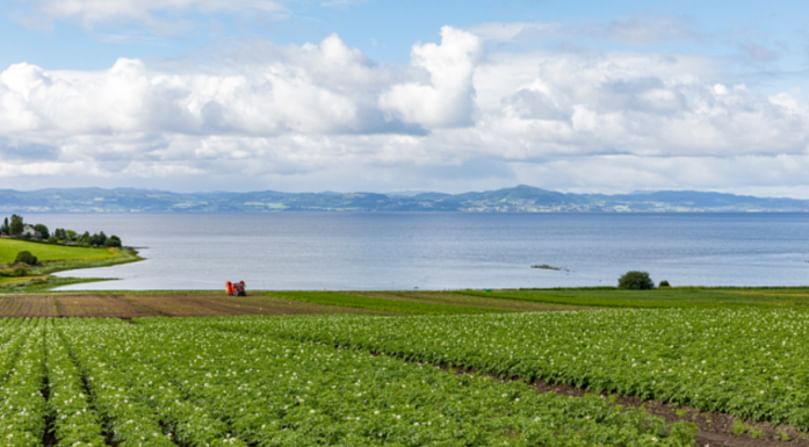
column 526, row 300
column 409, row 302
column 194, row 382
column 752, row 363
column 373, row 380
column 690, row 297
column 359, row 380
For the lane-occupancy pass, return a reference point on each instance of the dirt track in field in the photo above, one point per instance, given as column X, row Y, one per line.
column 714, row 429
column 175, row 305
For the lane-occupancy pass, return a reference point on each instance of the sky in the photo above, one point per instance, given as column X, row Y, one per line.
column 391, row 96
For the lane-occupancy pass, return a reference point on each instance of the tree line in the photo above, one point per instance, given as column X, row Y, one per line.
column 16, row 227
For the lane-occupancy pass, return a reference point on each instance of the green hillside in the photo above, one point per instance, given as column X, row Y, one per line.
column 53, row 258
column 51, row 252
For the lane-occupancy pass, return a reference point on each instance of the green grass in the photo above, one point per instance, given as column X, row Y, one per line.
column 51, row 252
column 524, row 300
column 378, row 304
column 690, row 297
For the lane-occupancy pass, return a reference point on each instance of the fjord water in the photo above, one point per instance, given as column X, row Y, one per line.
column 446, row 251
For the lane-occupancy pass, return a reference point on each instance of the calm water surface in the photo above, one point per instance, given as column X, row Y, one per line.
column 441, row 251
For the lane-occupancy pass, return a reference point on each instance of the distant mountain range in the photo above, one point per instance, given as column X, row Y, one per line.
column 519, row 199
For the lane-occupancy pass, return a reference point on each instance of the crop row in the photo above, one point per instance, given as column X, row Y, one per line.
column 137, row 400
column 22, row 405
column 75, row 421
column 209, row 385
column 753, row 363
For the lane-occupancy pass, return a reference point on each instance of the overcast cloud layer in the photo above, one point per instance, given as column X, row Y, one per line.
column 465, row 113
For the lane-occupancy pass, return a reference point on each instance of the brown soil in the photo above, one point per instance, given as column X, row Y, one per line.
column 22, row 306
column 714, row 429
column 175, row 305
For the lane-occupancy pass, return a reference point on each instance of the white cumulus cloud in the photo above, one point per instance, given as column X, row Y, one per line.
column 446, row 98
column 324, row 116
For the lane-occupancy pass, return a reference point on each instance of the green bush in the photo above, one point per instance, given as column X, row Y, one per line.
column 635, row 280
column 13, row 271
column 25, row 257
column 664, row 284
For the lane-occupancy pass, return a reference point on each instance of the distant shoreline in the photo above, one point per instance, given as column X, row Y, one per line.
column 521, row 199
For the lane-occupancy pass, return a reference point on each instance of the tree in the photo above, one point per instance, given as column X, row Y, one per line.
column 42, row 230
column 25, row 257
column 635, row 280
column 4, row 227
column 113, row 241
column 59, row 234
column 84, row 239
column 98, row 239
column 16, row 226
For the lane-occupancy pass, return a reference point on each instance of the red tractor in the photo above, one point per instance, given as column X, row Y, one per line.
column 235, row 288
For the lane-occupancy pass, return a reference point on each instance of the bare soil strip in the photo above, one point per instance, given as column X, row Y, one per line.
column 44, row 306
column 49, row 434
column 175, row 305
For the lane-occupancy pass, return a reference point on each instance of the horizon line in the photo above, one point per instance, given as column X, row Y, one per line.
column 407, row 192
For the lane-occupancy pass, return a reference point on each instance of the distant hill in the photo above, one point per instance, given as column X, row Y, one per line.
column 519, row 199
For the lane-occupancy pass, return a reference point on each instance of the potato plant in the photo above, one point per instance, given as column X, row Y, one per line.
column 75, row 422
column 359, row 380
column 22, row 405
column 131, row 421
column 188, row 424
column 752, row 363
column 264, row 390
